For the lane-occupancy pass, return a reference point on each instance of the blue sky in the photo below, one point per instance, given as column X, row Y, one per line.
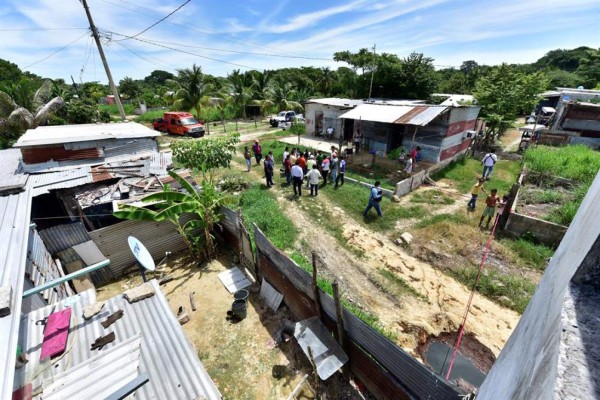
column 489, row 32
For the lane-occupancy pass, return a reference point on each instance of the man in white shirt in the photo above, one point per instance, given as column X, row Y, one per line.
column 286, row 152
column 297, row 177
column 329, row 132
column 313, row 178
column 488, row 162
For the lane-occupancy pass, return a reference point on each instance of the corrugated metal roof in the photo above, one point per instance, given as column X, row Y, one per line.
column 15, row 214
column 43, row 183
column 335, row 101
column 61, row 237
column 114, row 151
column 158, row 237
column 12, row 177
column 60, row 134
column 169, row 359
column 41, row 268
column 99, row 376
column 406, row 114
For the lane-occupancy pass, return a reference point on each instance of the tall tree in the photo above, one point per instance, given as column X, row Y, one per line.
column 504, row 93
column 129, row 87
column 417, row 76
column 240, row 90
column 191, row 89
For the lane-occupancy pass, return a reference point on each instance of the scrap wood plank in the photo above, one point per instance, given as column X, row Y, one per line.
column 234, row 279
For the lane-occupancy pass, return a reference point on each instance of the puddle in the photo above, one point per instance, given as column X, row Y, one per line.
column 437, row 353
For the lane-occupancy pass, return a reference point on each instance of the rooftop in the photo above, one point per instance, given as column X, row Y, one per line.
column 400, row 114
column 61, row 134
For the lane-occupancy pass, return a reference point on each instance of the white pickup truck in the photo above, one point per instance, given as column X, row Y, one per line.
column 285, row 118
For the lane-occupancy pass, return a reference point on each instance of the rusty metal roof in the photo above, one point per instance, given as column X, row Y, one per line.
column 419, row 115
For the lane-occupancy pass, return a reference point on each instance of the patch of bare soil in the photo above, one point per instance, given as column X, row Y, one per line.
column 241, row 357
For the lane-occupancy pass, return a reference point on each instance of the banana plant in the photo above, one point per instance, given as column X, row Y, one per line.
column 170, row 206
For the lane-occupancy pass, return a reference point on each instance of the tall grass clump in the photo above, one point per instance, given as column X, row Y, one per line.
column 259, row 206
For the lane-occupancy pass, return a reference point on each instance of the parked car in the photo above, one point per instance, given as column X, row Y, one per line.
column 284, row 117
column 179, row 123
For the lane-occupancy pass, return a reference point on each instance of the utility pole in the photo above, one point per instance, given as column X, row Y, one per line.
column 372, row 72
column 111, row 83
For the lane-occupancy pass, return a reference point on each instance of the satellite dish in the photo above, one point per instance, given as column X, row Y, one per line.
column 141, row 253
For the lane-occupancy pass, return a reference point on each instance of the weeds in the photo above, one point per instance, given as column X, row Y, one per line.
column 457, row 218
column 259, row 206
column 464, row 174
column 431, row 197
column 531, row 254
column 396, row 286
column 578, row 163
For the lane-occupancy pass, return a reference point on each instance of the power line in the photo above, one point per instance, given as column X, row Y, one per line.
column 191, row 27
column 59, row 50
column 157, row 22
column 190, row 53
column 233, row 51
column 40, row 29
column 157, row 64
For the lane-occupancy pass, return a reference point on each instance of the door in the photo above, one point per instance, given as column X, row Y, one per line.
column 319, row 122
column 348, row 129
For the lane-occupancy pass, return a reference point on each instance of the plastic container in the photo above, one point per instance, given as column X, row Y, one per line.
column 241, row 295
column 239, row 309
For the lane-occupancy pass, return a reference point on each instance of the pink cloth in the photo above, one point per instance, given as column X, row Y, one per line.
column 56, row 334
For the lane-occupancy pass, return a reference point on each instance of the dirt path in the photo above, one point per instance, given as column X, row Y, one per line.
column 412, row 318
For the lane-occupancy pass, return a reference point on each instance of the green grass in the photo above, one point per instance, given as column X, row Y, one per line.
column 149, row 116
column 353, row 199
column 259, row 206
column 386, row 183
column 518, row 289
column 431, row 197
column 531, row 254
column 578, row 163
column 113, row 110
column 464, row 175
column 458, row 218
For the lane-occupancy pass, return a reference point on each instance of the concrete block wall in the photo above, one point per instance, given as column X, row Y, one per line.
column 545, row 232
column 527, row 366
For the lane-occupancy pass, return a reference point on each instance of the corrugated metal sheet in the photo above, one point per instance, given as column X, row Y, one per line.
column 420, row 115
column 160, row 162
column 114, row 151
column 166, row 354
column 61, row 134
column 41, row 268
column 15, row 214
column 406, row 114
column 36, row 155
column 61, row 237
column 12, row 177
column 100, row 376
column 158, row 237
column 43, row 183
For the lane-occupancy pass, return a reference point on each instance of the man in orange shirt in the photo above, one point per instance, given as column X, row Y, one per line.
column 302, row 163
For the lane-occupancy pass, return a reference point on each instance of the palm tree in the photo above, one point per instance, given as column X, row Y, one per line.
column 327, row 80
column 16, row 118
column 190, row 89
column 282, row 95
column 240, row 90
column 261, row 84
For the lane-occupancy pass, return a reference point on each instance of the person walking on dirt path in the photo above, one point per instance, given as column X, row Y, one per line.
column 488, row 161
column 297, row 177
column 374, row 200
column 478, row 187
column 257, row 150
column 269, row 165
column 341, row 172
column 312, row 178
column 490, row 208
column 325, row 170
column 287, row 169
column 357, row 139
column 248, row 158
column 333, row 166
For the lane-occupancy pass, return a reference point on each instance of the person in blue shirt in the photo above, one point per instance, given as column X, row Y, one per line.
column 341, row 172
column 375, row 199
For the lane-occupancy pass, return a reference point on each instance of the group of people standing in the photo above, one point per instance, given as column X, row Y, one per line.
column 298, row 166
column 492, row 200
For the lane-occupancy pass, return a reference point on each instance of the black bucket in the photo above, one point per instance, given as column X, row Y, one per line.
column 241, row 295
column 239, row 309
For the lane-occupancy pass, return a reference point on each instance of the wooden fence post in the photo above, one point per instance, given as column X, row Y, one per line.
column 314, row 366
column 315, row 287
column 341, row 333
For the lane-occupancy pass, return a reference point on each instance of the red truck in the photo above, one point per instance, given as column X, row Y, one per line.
column 179, row 123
